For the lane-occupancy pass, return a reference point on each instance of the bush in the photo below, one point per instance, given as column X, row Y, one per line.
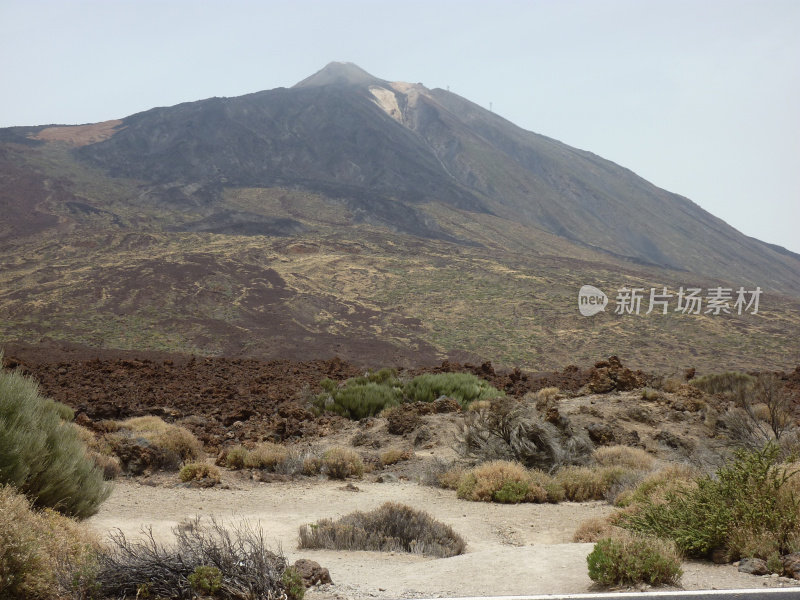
column 200, row 472
column 266, row 455
column 166, row 436
column 592, row 530
column 341, row 463
column 500, row 481
column 748, row 499
column 512, row 430
column 247, row 569
column 634, row 560
column 43, row 456
column 586, row 483
column 43, row 554
column 206, row 581
column 727, row 383
column 293, row 584
column 464, row 387
column 390, row 528
column 394, row 455
column 624, row 456
column 358, row 398
column 234, row 458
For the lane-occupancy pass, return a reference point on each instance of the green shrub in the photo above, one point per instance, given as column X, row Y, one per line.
column 390, row 528
column 42, row 455
column 634, row 560
column 746, row 500
column 205, row 580
column 293, row 584
column 464, row 387
column 358, row 400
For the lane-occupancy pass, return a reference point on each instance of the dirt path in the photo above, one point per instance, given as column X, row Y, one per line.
column 512, row 550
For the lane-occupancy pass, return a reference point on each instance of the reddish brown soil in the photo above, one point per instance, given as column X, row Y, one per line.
column 221, row 400
column 225, row 401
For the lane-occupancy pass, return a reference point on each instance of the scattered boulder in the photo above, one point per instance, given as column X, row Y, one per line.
column 600, row 433
column 753, row 566
column 610, row 375
column 312, row 573
column 791, row 565
column 443, row 404
column 423, row 436
column 402, row 420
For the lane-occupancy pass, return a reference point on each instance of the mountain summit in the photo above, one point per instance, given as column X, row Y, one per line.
column 339, row 73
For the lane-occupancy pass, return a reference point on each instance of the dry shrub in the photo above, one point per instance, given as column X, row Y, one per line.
column 594, row 529
column 172, row 439
column 266, row 455
column 390, row 528
column 394, row 455
column 311, row 465
column 515, row 430
column 233, row 458
column 657, row 486
column 247, row 568
column 500, row 481
column 109, row 465
column 449, row 479
column 590, row 483
column 43, row 554
column 340, row 463
column 554, row 490
column 100, row 451
column 204, row 473
column 624, row 456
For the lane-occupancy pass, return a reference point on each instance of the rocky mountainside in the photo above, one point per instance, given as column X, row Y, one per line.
column 350, row 213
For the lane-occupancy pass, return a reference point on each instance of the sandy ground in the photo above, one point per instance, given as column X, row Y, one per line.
column 512, row 549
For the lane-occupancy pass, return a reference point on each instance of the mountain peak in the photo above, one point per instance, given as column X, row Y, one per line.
column 339, row 73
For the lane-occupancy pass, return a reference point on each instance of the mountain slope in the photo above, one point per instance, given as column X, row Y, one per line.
column 380, row 221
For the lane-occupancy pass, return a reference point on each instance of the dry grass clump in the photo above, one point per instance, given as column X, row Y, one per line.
column 100, row 451
column 244, row 567
column 624, row 456
column 390, row 528
column 206, row 474
column 586, row 483
column 594, row 529
column 166, row 436
column 42, row 553
column 394, row 455
column 554, row 490
column 500, row 481
column 657, row 486
column 341, row 463
column 266, row 455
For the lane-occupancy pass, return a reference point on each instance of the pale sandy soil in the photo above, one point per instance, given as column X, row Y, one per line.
column 512, row 549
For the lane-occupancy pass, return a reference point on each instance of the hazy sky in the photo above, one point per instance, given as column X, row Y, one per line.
column 700, row 97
